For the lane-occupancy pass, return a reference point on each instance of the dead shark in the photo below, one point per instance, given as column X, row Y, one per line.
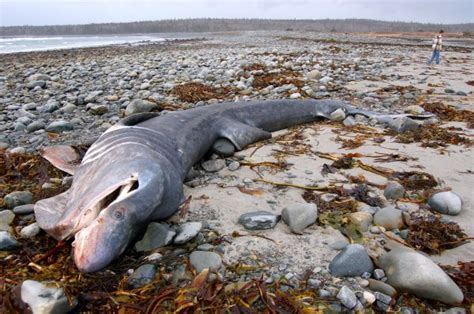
column 134, row 172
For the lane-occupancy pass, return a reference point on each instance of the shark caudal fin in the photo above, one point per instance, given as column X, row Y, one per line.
column 49, row 211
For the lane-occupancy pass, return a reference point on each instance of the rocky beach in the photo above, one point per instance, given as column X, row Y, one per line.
column 348, row 214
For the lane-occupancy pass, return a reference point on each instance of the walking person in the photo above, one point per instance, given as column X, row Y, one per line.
column 437, row 45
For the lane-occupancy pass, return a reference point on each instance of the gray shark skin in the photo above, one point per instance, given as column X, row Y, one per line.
column 133, row 173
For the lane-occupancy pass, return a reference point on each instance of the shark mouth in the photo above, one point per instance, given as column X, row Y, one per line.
column 113, row 194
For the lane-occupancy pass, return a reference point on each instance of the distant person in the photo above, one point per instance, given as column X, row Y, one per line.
column 437, row 45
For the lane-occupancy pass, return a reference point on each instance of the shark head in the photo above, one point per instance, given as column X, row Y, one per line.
column 108, row 201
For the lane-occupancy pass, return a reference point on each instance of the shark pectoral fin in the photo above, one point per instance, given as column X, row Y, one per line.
column 241, row 134
column 49, row 211
column 63, row 157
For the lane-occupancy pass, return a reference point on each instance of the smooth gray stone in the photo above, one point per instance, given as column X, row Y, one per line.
column 393, row 190
column 187, row 232
column 35, row 126
column 142, row 276
column 45, row 299
column 376, row 285
column 403, row 124
column 233, row 166
column 30, row 231
column 18, row 198
column 259, row 220
column 59, row 126
column 39, row 77
column 223, row 147
column 38, row 83
column 412, row 272
column 8, row 241
column 347, row 297
column 24, row 209
column 201, row 260
column 447, row 203
column 213, row 165
column 300, row 216
column 350, row 262
column 390, row 218
column 139, row 105
column 6, row 217
column 157, row 235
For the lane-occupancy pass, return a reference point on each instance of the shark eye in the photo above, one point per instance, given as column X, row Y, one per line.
column 117, row 214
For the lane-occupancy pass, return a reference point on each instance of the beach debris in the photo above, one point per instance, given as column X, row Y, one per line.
column 433, row 136
column 463, row 275
column 194, row 92
column 450, row 113
column 409, row 271
column 431, row 235
column 447, row 202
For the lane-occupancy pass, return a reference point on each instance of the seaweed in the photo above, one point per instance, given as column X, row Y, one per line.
column 463, row 275
column 414, row 180
column 433, row 236
column 450, row 113
column 277, row 79
column 194, row 92
column 27, row 172
column 361, row 193
column 433, row 136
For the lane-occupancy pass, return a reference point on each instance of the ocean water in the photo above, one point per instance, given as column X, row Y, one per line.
column 22, row 44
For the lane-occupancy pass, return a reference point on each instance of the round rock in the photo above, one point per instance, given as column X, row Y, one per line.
column 350, row 262
column 410, row 271
column 300, row 216
column 347, row 297
column 142, row 276
column 223, row 147
column 447, row 203
column 201, row 260
column 30, row 231
column 24, row 209
column 393, row 190
column 139, row 105
column 42, row 298
column 7, row 241
column 18, row 198
column 157, row 235
column 213, row 165
column 390, row 218
column 187, row 231
column 259, row 220
column 59, row 126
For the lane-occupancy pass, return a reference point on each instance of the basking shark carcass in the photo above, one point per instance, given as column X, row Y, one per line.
column 133, row 173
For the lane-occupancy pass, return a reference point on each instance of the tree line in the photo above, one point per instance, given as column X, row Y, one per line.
column 227, row 25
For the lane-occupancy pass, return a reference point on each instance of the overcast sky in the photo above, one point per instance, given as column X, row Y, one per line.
column 47, row 12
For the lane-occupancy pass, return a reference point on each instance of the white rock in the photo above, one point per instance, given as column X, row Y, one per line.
column 43, row 299
column 187, row 231
column 448, row 203
column 337, row 115
column 30, row 231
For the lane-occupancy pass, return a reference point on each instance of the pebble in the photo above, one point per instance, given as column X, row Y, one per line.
column 337, row 115
column 361, row 219
column 389, row 217
column 205, row 247
column 156, row 235
column 447, row 203
column 59, row 126
column 201, row 260
column 380, row 286
column 35, row 126
column 339, row 245
column 259, row 220
column 18, row 198
column 403, row 124
column 369, row 298
column 233, row 166
column 350, row 262
column 213, row 165
column 187, row 232
column 379, row 274
column 8, row 241
column 347, row 297
column 142, row 276
column 30, row 231
column 349, row 121
column 223, row 147
column 393, row 190
column 24, row 209
column 45, row 298
column 6, row 217
column 410, row 271
column 300, row 216
column 138, row 106
column 154, row 257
